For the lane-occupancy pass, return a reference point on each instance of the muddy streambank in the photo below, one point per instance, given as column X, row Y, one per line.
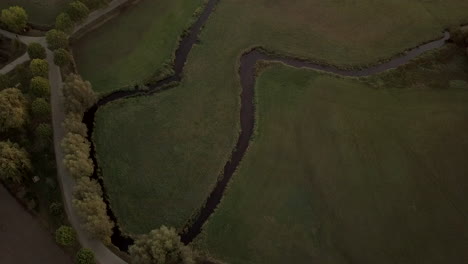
column 247, row 112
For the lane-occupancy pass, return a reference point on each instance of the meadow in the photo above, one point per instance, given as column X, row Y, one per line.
column 344, row 170
column 39, row 11
column 161, row 155
column 134, row 46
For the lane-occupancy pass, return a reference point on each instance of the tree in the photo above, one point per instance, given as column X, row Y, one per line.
column 77, row 11
column 56, row 39
column 39, row 67
column 14, row 162
column 92, row 209
column 15, row 18
column 36, row 51
column 76, row 159
column 40, row 87
column 43, row 134
column 40, row 109
column 73, row 124
column 65, row 236
column 62, row 57
column 79, row 96
column 13, row 111
column 85, row 256
column 161, row 246
column 64, row 23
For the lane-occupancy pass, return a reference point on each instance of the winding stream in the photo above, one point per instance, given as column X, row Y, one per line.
column 247, row 111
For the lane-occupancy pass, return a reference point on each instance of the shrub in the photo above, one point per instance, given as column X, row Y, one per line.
column 64, row 23
column 56, row 39
column 40, row 87
column 73, row 124
column 39, row 67
column 44, row 133
column 77, row 11
column 62, row 57
column 85, row 256
column 36, row 51
column 40, row 109
column 15, row 18
column 55, row 208
column 65, row 236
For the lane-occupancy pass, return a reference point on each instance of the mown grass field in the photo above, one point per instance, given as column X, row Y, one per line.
column 39, row 11
column 348, row 171
column 133, row 46
column 161, row 155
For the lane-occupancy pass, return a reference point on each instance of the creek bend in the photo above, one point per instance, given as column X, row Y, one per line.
column 247, row 74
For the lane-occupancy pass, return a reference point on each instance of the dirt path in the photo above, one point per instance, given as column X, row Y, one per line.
column 102, row 253
column 22, row 239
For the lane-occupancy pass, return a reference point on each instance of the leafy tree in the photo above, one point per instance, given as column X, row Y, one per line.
column 43, row 134
column 92, row 209
column 65, row 236
column 39, row 67
column 56, row 39
column 14, row 162
column 85, row 256
column 13, row 111
column 77, row 11
column 73, row 124
column 40, row 87
column 62, row 57
column 161, row 246
column 79, row 96
column 36, row 51
column 64, row 23
column 15, row 18
column 40, row 109
column 76, row 159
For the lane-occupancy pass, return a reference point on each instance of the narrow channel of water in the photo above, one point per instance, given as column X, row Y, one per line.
column 247, row 113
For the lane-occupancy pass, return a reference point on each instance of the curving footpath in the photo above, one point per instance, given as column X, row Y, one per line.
column 102, row 253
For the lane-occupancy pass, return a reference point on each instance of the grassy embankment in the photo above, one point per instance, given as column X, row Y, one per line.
column 135, row 45
column 39, row 11
column 161, row 155
column 349, row 171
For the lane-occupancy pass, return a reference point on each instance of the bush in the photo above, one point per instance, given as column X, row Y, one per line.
column 40, row 87
column 40, row 109
column 65, row 236
column 78, row 94
column 39, row 67
column 73, row 124
column 62, row 57
column 56, row 39
column 85, row 256
column 77, row 11
column 15, row 18
column 36, row 51
column 64, row 23
column 44, row 133
column 56, row 209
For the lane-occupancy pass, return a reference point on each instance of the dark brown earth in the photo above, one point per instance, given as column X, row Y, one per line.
column 22, row 238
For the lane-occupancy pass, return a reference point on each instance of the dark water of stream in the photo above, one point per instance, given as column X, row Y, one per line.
column 247, row 113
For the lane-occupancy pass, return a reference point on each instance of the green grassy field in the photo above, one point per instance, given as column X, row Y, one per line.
column 39, row 11
column 133, row 46
column 348, row 171
column 165, row 152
